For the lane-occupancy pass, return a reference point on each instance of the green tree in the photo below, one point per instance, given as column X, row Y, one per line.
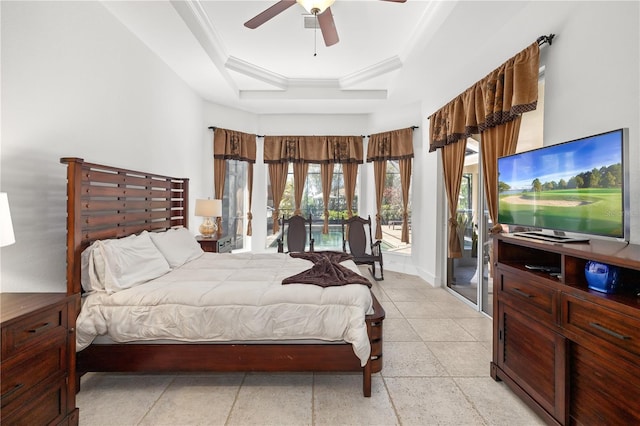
column 616, row 171
column 609, row 180
column 595, row 178
column 287, row 203
column 503, row 186
column 536, row 185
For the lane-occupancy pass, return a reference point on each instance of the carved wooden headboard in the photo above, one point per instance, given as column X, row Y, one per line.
column 109, row 202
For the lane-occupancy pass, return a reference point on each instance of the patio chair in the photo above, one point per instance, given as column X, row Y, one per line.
column 296, row 234
column 355, row 235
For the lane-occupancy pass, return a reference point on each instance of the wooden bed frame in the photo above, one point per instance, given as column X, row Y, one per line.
column 108, row 202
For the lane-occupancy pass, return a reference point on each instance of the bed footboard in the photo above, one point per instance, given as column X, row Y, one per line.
column 222, row 357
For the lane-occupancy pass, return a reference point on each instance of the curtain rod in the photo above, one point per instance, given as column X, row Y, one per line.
column 213, row 128
column 262, row 136
column 412, row 128
column 546, row 39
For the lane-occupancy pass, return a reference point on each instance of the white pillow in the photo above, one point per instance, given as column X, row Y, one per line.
column 177, row 245
column 131, row 261
column 92, row 269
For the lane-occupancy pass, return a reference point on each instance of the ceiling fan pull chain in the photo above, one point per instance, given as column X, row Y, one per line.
column 315, row 36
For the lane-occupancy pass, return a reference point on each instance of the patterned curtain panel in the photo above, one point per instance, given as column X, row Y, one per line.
column 278, row 177
column 219, row 173
column 500, row 97
column 299, row 178
column 350, row 173
column 232, row 145
column 323, row 150
column 452, row 164
column 405, row 180
column 379, row 175
column 250, row 188
column 313, row 149
column 326, row 176
column 497, row 142
column 393, row 145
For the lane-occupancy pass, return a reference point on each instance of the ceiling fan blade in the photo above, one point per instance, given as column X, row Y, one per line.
column 269, row 13
column 328, row 27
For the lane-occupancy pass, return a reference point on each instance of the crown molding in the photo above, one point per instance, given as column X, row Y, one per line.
column 318, row 93
column 392, row 64
column 198, row 22
column 253, row 71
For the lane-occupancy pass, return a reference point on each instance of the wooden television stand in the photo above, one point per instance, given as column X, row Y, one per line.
column 571, row 353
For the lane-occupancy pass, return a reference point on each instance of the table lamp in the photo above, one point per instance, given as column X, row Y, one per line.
column 208, row 209
column 6, row 227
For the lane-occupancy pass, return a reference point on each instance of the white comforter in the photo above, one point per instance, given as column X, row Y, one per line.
column 230, row 297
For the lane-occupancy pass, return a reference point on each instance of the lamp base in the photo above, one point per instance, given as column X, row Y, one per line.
column 208, row 228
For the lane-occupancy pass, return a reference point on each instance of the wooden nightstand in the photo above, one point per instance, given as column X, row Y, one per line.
column 215, row 244
column 37, row 366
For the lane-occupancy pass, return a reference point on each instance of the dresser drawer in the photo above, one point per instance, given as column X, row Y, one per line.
column 33, row 329
column 224, row 245
column 533, row 298
column 48, row 406
column 20, row 373
column 215, row 245
column 581, row 316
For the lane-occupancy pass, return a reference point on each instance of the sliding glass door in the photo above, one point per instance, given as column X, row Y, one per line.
column 468, row 275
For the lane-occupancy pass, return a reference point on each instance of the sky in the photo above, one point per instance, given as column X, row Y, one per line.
column 561, row 161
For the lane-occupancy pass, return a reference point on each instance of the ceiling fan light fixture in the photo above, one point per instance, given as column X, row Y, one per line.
column 316, row 7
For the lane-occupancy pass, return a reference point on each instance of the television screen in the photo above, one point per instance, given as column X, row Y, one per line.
column 577, row 186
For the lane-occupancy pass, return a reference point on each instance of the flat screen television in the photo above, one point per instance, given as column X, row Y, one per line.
column 569, row 191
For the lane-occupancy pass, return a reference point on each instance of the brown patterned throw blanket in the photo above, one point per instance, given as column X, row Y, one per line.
column 326, row 270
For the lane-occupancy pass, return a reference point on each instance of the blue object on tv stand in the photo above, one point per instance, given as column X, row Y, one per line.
column 602, row 277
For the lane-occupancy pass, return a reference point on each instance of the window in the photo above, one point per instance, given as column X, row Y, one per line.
column 233, row 203
column 392, row 211
column 312, row 204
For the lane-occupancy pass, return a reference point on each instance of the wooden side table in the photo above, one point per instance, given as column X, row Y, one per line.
column 215, row 244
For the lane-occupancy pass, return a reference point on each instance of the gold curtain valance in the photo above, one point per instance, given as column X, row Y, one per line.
column 504, row 94
column 313, row 149
column 393, row 145
column 234, row 145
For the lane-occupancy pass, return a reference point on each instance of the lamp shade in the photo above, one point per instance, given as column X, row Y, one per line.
column 208, row 208
column 6, row 227
column 316, row 6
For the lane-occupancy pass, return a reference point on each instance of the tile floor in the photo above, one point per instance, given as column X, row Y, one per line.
column 436, row 372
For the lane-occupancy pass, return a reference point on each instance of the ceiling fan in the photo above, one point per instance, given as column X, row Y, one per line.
column 321, row 9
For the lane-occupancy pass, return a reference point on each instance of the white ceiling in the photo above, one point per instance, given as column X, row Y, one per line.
column 389, row 54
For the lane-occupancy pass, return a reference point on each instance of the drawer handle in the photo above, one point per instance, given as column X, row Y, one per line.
column 39, row 329
column 12, row 391
column 522, row 293
column 609, row 332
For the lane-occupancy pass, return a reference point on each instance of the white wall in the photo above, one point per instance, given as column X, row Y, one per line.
column 76, row 83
